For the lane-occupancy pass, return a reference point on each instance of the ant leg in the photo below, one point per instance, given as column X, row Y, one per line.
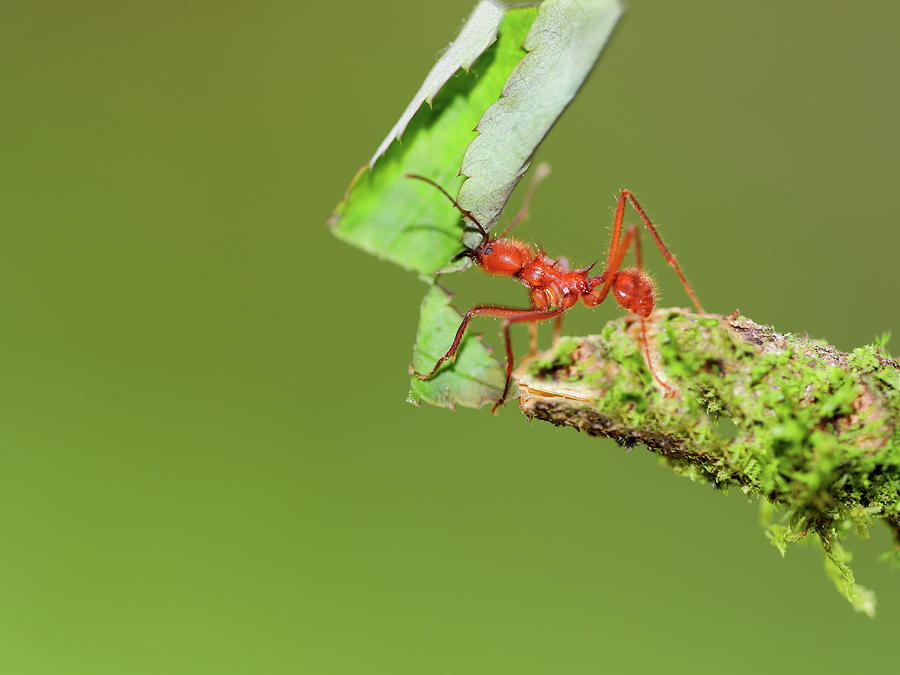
column 540, row 173
column 533, row 335
column 531, row 316
column 626, row 194
column 511, row 314
column 638, row 259
column 533, row 339
column 645, row 343
column 633, row 234
column 507, row 339
column 557, row 328
column 613, row 260
column 601, row 285
column 457, row 339
column 592, row 298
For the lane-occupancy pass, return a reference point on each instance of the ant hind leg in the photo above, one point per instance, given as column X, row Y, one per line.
column 670, row 258
column 645, row 346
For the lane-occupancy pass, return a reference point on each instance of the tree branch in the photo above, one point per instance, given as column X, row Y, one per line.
column 810, row 429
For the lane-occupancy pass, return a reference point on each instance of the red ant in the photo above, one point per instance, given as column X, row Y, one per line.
column 554, row 288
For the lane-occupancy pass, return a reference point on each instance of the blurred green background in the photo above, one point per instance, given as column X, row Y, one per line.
column 206, row 461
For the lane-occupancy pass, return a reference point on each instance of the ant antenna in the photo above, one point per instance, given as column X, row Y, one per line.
column 466, row 214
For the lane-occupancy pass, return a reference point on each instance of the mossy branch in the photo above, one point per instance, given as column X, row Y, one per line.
column 804, row 426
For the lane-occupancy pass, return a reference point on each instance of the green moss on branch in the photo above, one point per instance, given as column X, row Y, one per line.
column 808, row 428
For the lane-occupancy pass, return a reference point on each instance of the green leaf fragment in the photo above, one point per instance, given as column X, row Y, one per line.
column 408, row 222
column 563, row 45
column 478, row 33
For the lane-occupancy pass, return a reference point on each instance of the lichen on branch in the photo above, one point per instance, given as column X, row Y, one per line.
column 794, row 421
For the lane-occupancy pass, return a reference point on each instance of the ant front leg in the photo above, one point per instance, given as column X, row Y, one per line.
column 511, row 316
column 451, row 353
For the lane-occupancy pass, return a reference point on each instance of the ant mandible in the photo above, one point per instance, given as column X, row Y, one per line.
column 553, row 287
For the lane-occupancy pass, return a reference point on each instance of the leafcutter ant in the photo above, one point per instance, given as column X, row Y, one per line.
column 553, row 287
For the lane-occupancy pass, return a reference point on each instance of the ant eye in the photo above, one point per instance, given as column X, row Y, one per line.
column 488, row 250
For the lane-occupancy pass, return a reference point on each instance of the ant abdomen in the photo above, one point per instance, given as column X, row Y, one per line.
column 633, row 291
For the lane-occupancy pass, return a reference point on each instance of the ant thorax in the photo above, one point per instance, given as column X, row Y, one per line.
column 539, row 272
column 544, row 272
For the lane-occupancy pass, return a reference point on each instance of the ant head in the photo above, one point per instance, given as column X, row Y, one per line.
column 475, row 253
column 505, row 257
